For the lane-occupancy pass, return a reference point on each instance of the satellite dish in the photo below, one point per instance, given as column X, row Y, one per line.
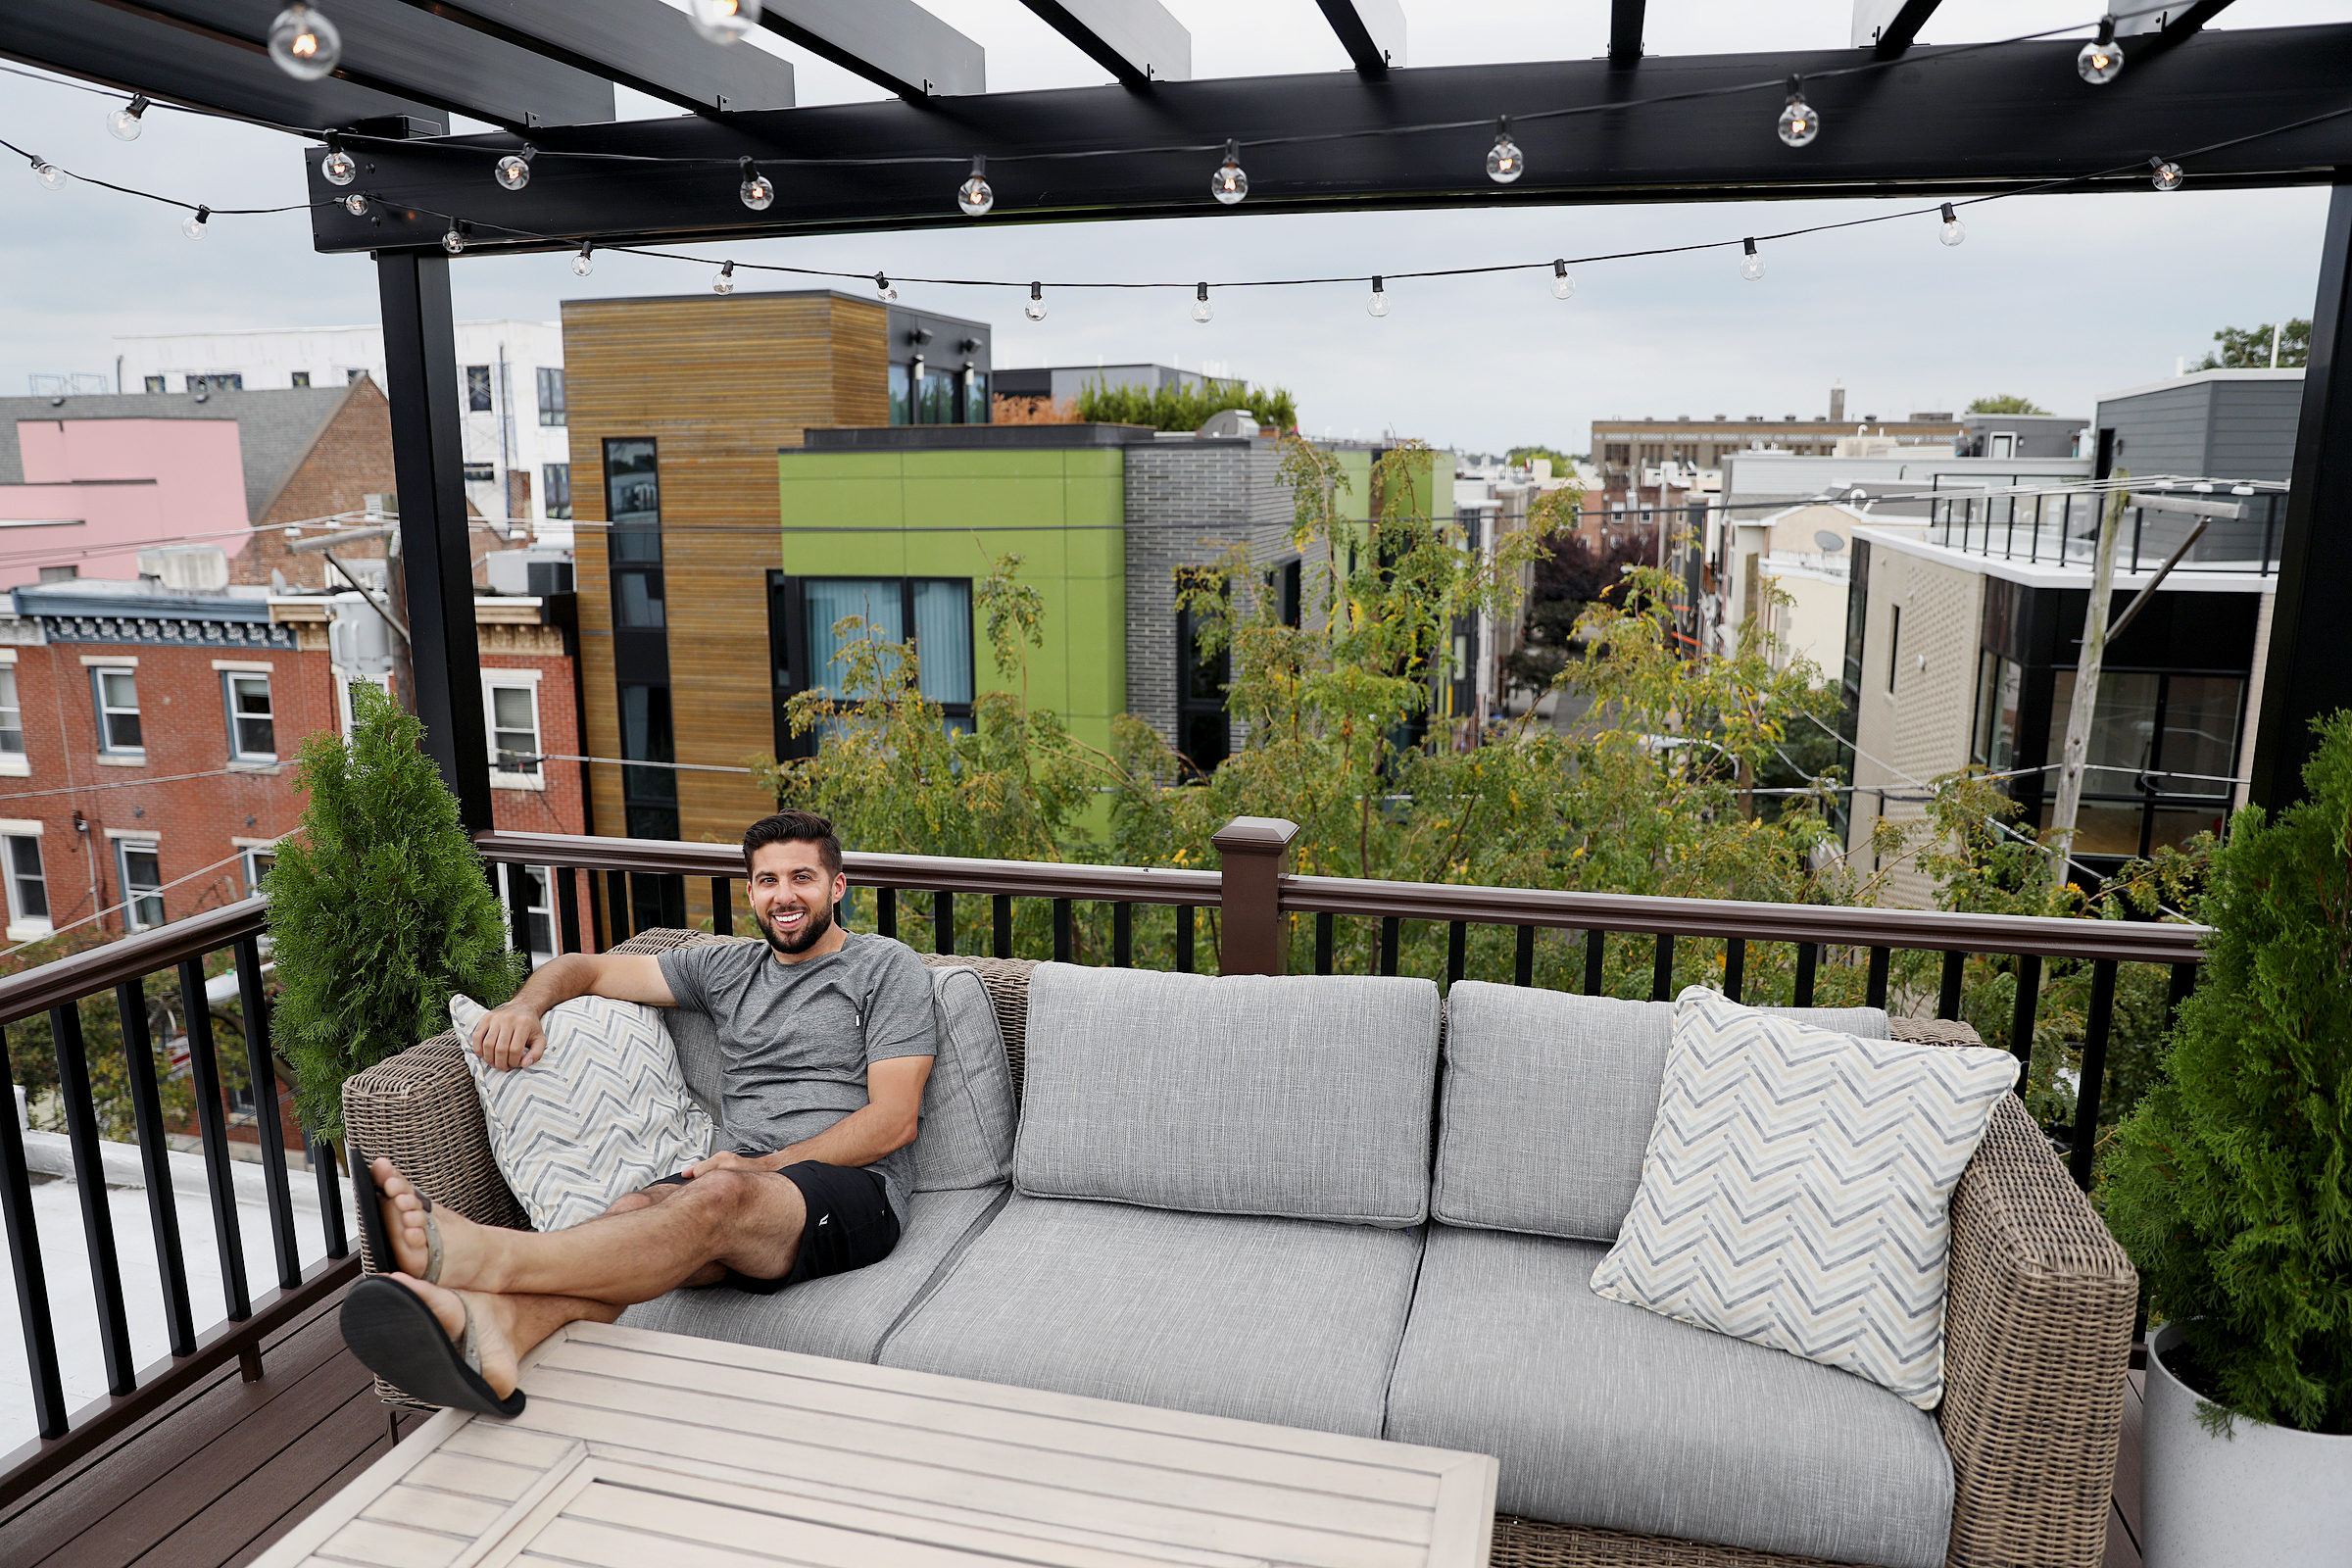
column 1831, row 543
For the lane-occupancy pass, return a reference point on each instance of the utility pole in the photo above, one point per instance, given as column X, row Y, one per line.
column 2085, row 702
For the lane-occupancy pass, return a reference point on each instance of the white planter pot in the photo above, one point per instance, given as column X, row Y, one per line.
column 2266, row 1497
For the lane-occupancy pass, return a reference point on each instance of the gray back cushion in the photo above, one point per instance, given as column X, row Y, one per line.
column 1548, row 1102
column 966, row 1133
column 1301, row 1095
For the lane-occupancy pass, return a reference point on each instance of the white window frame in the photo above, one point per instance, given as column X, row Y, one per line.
column 101, row 667
column 125, row 841
column 14, row 765
column 343, row 680
column 22, row 927
column 511, row 679
column 230, row 672
column 546, row 909
column 251, row 853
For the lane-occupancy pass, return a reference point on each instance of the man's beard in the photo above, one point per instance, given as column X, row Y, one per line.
column 812, row 931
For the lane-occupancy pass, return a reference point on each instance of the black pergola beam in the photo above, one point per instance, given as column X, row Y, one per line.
column 1954, row 123
column 1625, row 33
column 2306, row 674
column 642, row 44
column 403, row 52
column 895, row 44
column 2193, row 16
column 1135, row 40
column 136, row 54
column 1372, row 31
column 1888, row 27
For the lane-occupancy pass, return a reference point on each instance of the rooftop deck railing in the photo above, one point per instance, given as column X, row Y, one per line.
column 1254, row 908
column 2061, row 527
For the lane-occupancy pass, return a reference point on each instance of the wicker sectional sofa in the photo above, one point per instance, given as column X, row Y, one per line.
column 1232, row 1196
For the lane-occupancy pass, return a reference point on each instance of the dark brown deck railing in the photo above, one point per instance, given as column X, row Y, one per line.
column 1254, row 899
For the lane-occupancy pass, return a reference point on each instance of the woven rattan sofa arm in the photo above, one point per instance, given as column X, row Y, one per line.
column 2037, row 1335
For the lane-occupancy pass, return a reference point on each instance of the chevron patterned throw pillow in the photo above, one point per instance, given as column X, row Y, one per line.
column 1798, row 1190
column 603, row 1112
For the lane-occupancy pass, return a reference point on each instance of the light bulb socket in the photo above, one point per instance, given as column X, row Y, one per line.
column 204, row 214
column 137, row 107
column 1202, row 293
column 1378, row 286
column 979, row 165
column 2107, row 29
column 1233, row 151
column 1751, row 246
column 1036, row 291
column 1559, row 267
column 1949, row 216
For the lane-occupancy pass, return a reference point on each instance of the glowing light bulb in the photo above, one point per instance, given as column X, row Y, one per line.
column 1378, row 305
column 584, row 263
column 882, row 286
column 723, row 20
column 1562, row 285
column 303, row 44
column 1504, row 161
column 2164, row 176
column 1953, row 232
column 1035, row 309
column 2102, row 59
column 723, row 281
column 1200, row 310
column 514, row 170
column 1799, row 125
column 758, row 191
column 337, row 167
column 973, row 195
column 49, row 175
column 127, row 123
column 1229, row 184
column 455, row 240
column 1752, row 266
column 194, row 226
column 356, row 205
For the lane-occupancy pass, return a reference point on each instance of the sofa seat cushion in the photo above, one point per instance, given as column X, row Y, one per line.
column 1290, row 1321
column 1548, row 1102
column 1301, row 1095
column 841, row 1315
column 1612, row 1417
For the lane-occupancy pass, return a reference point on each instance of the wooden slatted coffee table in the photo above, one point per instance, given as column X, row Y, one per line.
column 641, row 1449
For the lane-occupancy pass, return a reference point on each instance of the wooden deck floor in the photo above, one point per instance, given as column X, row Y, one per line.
column 214, row 1481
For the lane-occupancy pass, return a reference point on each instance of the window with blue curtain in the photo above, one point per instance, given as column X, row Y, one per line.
column 937, row 611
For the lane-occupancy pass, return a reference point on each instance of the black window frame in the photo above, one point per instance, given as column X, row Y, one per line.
column 553, row 408
column 481, row 396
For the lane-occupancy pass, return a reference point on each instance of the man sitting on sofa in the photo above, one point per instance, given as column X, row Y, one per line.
column 827, row 1039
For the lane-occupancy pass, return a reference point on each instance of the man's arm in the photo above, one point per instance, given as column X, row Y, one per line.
column 894, row 1105
column 511, row 1036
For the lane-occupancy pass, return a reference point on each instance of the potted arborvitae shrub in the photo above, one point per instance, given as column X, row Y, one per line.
column 378, row 908
column 2231, row 1184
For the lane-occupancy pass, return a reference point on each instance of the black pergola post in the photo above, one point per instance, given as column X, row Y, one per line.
column 2309, row 672
column 420, row 364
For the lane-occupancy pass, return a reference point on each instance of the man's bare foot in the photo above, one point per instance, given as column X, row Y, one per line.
column 465, row 1254
column 492, row 1317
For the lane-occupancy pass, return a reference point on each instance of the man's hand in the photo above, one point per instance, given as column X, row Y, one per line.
column 510, row 1037
column 728, row 1159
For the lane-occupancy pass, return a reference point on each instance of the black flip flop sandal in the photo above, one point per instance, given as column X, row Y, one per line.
column 379, row 1237
column 397, row 1337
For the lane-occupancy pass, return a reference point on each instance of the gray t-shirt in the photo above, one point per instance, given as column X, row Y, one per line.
column 797, row 1038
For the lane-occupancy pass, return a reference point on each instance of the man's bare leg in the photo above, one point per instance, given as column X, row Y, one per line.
column 746, row 1221
column 506, row 1327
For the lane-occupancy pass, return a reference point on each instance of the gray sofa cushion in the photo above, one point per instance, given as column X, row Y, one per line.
column 1282, row 1320
column 841, row 1315
column 967, row 1118
column 1609, row 1416
column 1548, row 1102
column 1304, row 1096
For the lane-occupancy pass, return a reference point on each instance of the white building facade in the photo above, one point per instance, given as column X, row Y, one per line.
column 517, row 442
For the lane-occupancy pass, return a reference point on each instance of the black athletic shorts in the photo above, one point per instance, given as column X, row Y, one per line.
column 849, row 1223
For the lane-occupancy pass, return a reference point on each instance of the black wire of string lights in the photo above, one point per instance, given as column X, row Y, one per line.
column 2098, row 61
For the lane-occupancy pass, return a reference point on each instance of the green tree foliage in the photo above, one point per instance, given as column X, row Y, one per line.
column 2248, row 348
column 1572, row 573
column 1176, row 407
column 378, row 908
column 1345, row 738
column 2005, row 403
column 2231, row 1185
column 1562, row 465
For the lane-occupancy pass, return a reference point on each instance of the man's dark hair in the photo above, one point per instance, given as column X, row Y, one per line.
column 797, row 827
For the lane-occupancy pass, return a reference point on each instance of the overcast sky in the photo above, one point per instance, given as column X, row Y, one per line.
column 2057, row 298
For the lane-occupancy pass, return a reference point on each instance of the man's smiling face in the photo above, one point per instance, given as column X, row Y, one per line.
column 793, row 897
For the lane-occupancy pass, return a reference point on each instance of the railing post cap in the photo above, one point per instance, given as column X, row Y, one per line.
column 1256, row 835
